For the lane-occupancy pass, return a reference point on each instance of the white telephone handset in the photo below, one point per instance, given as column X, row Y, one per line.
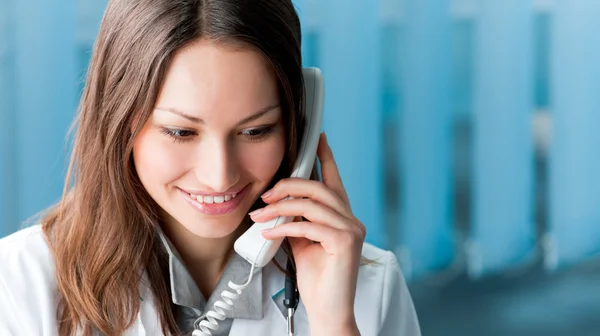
column 251, row 245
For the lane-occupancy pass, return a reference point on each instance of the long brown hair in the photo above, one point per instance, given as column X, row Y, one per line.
column 103, row 231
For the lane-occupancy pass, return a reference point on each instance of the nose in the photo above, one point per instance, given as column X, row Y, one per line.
column 216, row 166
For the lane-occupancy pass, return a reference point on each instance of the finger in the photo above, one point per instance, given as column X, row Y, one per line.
column 333, row 241
column 329, row 170
column 303, row 188
column 307, row 208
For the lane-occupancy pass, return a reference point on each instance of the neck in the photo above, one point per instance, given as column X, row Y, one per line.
column 205, row 258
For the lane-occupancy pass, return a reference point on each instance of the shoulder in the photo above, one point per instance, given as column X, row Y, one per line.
column 383, row 295
column 25, row 252
column 379, row 267
column 27, row 283
column 19, row 241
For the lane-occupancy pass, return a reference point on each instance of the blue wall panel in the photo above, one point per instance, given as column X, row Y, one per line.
column 7, row 113
column 425, row 142
column 46, row 97
column 502, row 229
column 575, row 158
column 308, row 12
column 350, row 60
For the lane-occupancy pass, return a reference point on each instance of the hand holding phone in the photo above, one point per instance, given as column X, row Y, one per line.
column 251, row 245
column 326, row 248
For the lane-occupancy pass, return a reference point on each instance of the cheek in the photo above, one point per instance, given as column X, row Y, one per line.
column 157, row 160
column 263, row 161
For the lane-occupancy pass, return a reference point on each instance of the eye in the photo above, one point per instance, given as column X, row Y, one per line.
column 179, row 135
column 258, row 134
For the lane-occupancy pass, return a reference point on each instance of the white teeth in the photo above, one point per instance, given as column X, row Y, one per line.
column 213, row 199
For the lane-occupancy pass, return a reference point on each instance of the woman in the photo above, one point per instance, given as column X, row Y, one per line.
column 189, row 119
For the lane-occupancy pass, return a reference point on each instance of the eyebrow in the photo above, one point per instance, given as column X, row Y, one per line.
column 197, row 120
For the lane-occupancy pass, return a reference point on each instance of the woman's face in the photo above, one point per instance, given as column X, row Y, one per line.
column 215, row 139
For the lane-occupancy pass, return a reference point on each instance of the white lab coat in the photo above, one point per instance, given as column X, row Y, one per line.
column 28, row 296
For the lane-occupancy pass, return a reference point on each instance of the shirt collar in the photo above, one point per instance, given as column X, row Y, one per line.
column 185, row 292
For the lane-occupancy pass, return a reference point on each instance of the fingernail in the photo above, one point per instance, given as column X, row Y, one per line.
column 267, row 193
column 266, row 230
column 256, row 212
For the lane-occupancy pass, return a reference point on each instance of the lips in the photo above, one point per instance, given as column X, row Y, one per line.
column 215, row 204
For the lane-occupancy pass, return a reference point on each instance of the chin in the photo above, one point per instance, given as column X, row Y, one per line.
column 213, row 228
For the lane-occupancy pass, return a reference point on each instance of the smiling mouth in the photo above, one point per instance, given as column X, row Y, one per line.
column 219, row 204
column 213, row 199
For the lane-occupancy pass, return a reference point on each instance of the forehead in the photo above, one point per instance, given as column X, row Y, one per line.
column 208, row 79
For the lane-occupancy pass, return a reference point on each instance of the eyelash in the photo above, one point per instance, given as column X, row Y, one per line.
column 260, row 133
column 176, row 135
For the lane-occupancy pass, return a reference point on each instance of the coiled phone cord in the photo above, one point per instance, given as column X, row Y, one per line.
column 218, row 312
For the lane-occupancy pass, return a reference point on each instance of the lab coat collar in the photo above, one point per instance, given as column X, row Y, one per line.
column 185, row 292
column 273, row 323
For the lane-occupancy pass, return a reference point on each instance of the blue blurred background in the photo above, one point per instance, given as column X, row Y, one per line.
column 465, row 131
